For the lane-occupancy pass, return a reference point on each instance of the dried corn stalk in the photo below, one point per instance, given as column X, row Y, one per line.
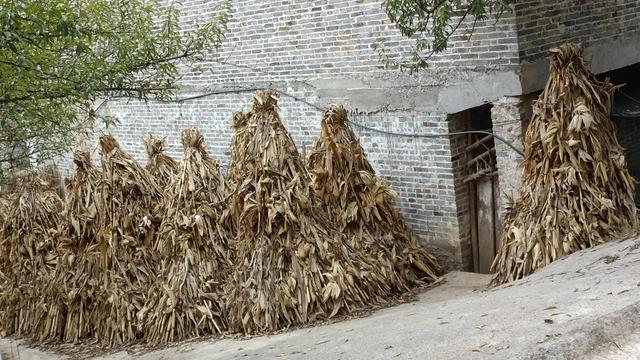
column 236, row 171
column 71, row 314
column 162, row 166
column 50, row 175
column 4, row 207
column 27, row 253
column 292, row 266
column 128, row 261
column 361, row 204
column 188, row 300
column 576, row 186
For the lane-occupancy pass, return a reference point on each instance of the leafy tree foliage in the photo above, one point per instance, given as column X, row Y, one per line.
column 58, row 56
column 431, row 23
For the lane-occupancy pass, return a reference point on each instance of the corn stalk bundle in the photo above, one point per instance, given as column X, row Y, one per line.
column 28, row 256
column 128, row 261
column 292, row 266
column 362, row 205
column 236, row 173
column 81, row 211
column 50, row 176
column 188, row 300
column 4, row 206
column 70, row 314
column 162, row 166
column 576, row 186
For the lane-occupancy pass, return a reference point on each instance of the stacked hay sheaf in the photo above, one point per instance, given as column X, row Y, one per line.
column 576, row 186
column 4, row 206
column 27, row 253
column 236, row 173
column 292, row 266
column 193, row 241
column 71, row 315
column 126, row 239
column 361, row 204
column 162, row 166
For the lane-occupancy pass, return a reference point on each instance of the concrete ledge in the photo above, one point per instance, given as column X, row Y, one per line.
column 581, row 343
column 603, row 57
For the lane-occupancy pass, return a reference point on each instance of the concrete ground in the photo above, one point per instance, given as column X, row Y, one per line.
column 586, row 306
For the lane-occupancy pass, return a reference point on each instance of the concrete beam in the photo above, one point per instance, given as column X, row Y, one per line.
column 603, row 57
column 443, row 91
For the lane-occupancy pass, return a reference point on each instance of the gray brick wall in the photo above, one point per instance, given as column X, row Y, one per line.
column 328, row 38
column 321, row 51
column 548, row 23
column 419, row 168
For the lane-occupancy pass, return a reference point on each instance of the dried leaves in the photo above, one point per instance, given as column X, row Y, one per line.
column 27, row 253
column 160, row 165
column 361, row 204
column 256, row 252
column 292, row 266
column 187, row 301
column 125, row 241
column 576, row 185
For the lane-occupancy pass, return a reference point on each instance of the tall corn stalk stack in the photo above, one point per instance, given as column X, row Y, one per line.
column 576, row 186
column 4, row 206
column 27, row 252
column 292, row 266
column 71, row 315
column 188, row 299
column 361, row 204
column 162, row 166
column 128, row 261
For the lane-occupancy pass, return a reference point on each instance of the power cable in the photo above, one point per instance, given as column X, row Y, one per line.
column 357, row 124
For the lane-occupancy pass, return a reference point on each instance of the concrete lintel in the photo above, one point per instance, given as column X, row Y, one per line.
column 478, row 91
column 603, row 57
column 456, row 92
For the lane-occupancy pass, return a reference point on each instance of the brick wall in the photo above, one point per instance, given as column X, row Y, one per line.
column 548, row 23
column 419, row 169
column 327, row 38
column 510, row 118
column 321, row 51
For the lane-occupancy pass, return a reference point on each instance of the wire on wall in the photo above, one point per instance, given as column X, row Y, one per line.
column 357, row 124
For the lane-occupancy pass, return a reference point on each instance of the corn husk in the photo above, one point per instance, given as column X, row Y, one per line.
column 28, row 256
column 576, row 187
column 4, row 207
column 236, row 172
column 193, row 239
column 162, row 166
column 362, row 205
column 126, row 239
column 70, row 304
column 292, row 266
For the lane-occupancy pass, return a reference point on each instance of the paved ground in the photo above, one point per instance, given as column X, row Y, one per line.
column 586, row 306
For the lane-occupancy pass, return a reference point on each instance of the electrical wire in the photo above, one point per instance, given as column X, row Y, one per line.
column 357, row 124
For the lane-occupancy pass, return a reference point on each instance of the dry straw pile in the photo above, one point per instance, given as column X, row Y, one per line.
column 27, row 253
column 576, row 186
column 162, row 166
column 71, row 307
column 292, row 266
column 4, row 206
column 126, row 239
column 188, row 299
column 361, row 204
column 118, row 262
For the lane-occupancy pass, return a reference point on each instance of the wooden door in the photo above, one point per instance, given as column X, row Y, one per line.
column 483, row 205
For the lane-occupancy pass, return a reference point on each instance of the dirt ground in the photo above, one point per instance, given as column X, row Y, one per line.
column 586, row 306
